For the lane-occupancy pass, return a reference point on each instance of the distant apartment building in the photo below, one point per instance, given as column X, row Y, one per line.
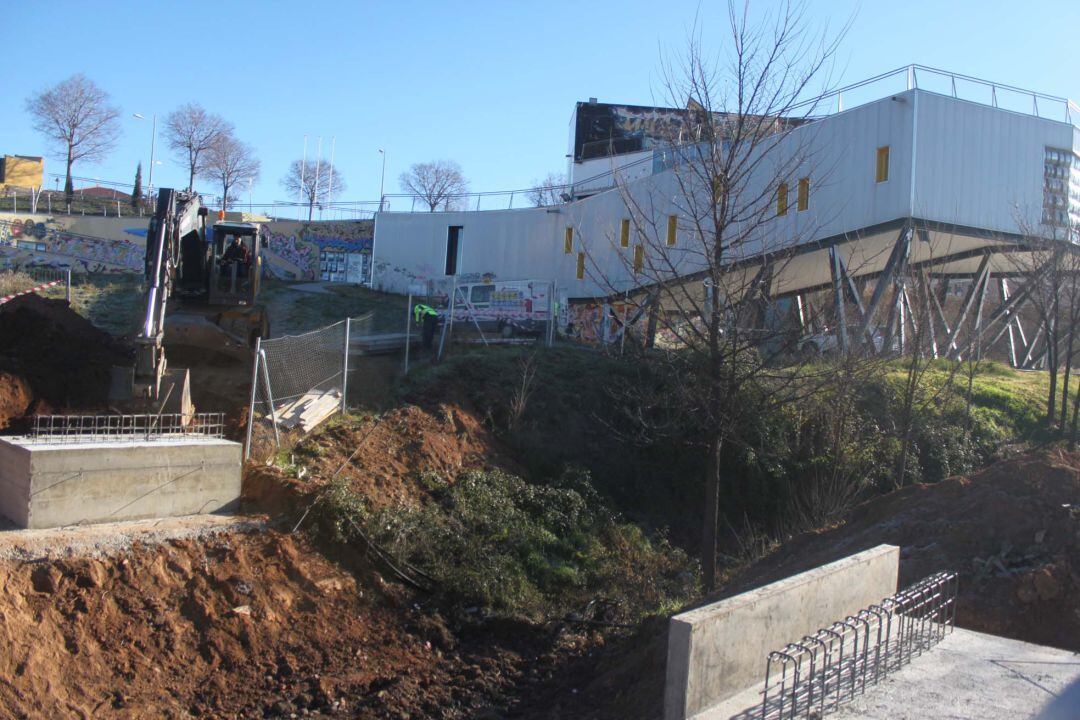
column 21, row 171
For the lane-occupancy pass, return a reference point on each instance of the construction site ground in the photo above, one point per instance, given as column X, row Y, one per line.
column 213, row 617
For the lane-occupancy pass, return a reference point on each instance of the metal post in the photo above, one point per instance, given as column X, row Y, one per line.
column 345, row 365
column 68, row 279
column 551, row 316
column 251, row 402
column 450, row 321
column 838, row 297
column 300, row 192
column 408, row 331
column 269, row 397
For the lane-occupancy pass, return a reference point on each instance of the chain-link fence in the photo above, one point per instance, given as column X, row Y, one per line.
column 298, row 381
column 508, row 312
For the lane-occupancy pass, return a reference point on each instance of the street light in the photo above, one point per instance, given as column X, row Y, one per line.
column 153, row 142
column 382, row 179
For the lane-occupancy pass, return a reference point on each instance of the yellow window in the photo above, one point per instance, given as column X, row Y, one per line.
column 804, row 193
column 882, row 164
column 639, row 258
column 568, row 242
column 624, row 233
column 672, row 228
column 581, row 266
column 781, row 199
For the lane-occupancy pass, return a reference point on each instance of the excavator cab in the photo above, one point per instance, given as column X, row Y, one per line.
column 235, row 263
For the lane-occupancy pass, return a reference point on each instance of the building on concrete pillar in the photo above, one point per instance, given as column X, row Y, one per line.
column 963, row 182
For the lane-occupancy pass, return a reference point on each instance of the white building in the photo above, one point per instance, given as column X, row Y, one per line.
column 963, row 176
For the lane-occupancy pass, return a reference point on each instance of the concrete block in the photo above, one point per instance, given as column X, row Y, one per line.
column 53, row 484
column 718, row 650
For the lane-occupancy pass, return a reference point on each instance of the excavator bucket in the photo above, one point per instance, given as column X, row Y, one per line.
column 176, row 394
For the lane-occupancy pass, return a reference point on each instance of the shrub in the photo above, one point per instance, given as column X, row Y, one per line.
column 495, row 541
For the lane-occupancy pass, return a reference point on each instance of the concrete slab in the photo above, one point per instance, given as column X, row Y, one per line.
column 716, row 651
column 50, row 484
column 967, row 676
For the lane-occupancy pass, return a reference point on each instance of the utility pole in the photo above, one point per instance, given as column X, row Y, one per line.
column 382, row 179
column 300, row 192
column 153, row 143
column 318, row 169
column 330, row 186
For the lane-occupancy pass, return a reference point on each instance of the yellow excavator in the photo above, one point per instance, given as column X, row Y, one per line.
column 201, row 293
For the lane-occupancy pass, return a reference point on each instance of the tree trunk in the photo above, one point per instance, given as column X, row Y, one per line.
column 1065, row 383
column 310, row 209
column 711, row 515
column 69, row 186
column 1052, row 369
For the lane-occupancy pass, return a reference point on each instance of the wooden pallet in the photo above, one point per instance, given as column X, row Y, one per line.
column 309, row 411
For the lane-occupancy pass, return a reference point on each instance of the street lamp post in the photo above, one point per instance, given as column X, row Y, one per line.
column 382, row 179
column 153, row 143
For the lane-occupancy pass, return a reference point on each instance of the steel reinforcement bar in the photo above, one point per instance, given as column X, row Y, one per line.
column 125, row 428
column 817, row 674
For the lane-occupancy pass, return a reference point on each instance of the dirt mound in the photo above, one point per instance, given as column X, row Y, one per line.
column 55, row 355
column 1012, row 531
column 394, row 456
column 243, row 625
column 15, row 398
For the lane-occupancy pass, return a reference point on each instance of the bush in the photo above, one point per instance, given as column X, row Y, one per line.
column 493, row 540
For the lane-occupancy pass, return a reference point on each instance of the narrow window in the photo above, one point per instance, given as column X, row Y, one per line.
column 882, row 164
column 639, row 258
column 453, row 248
column 672, row 229
column 624, row 233
column 581, row 266
column 568, row 241
column 781, row 199
column 804, row 193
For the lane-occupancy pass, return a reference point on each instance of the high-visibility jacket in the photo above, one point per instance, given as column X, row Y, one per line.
column 421, row 311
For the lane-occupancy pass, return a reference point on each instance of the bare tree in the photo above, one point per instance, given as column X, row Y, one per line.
column 77, row 117
column 316, row 182
column 191, row 132
column 440, row 184
column 689, row 234
column 547, row 191
column 228, row 162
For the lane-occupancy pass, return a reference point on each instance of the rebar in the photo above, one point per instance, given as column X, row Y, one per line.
column 125, row 428
column 822, row 671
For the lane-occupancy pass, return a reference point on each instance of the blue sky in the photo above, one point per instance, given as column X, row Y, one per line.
column 488, row 84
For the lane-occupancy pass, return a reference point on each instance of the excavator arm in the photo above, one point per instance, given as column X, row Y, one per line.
column 178, row 215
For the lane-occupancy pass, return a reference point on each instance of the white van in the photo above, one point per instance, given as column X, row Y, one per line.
column 518, row 307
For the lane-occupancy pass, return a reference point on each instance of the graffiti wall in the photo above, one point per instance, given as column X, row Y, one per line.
column 332, row 251
column 98, row 245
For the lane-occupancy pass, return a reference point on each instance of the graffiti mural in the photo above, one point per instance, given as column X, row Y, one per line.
column 333, row 251
column 336, row 251
column 46, row 242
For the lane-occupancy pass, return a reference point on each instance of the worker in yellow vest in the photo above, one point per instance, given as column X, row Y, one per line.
column 427, row 318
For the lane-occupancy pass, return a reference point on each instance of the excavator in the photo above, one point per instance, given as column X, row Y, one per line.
column 201, row 293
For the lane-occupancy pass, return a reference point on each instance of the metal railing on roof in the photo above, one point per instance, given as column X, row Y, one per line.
column 957, row 85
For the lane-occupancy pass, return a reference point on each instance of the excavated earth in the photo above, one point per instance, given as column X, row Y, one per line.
column 53, row 360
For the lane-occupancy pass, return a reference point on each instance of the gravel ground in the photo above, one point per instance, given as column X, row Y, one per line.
column 108, row 539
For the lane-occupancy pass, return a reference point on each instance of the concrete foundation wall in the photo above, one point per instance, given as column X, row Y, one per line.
column 49, row 485
column 720, row 649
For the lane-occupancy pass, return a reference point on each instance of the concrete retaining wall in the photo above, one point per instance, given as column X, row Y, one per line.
column 49, row 485
column 720, row 649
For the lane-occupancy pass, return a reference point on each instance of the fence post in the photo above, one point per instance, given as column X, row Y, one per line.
column 68, row 278
column 408, row 331
column 269, row 397
column 345, row 365
column 251, row 403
